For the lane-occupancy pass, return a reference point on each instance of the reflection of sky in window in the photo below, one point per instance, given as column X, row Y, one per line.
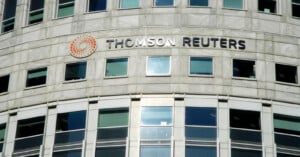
column 164, row 3
column 199, row 2
column 71, row 121
column 200, row 116
column 158, row 65
column 130, row 3
column 155, row 151
column 201, row 66
column 156, row 115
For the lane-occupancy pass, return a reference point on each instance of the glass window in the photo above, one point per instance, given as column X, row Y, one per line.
column 286, row 73
column 4, row 83
column 36, row 11
column 65, row 8
column 234, row 4
column 245, row 125
column 155, row 151
column 198, row 3
column 245, row 152
column 111, row 152
column 296, row 8
column 163, row 3
column 36, row 77
column 8, row 21
column 2, row 135
column 124, row 4
column 201, row 66
column 97, row 5
column 158, row 65
column 71, row 153
column 29, row 133
column 243, row 68
column 195, row 151
column 75, row 71
column 286, row 155
column 116, row 67
column 70, row 127
column 267, row 6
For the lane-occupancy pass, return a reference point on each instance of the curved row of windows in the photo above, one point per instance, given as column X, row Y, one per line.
column 157, row 66
column 156, row 128
column 35, row 8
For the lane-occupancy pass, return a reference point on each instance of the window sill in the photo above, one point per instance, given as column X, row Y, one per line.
column 244, row 78
column 115, row 77
column 201, row 75
column 33, row 24
column 262, row 12
column 295, row 17
column 169, row 6
column 3, row 93
column 287, row 84
column 3, row 33
column 236, row 9
column 129, row 8
column 35, row 87
column 209, row 7
column 94, row 12
column 74, row 81
column 153, row 75
column 64, row 17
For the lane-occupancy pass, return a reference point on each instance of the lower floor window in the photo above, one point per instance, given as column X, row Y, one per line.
column 111, row 151
column 287, row 155
column 69, row 153
column 235, row 152
column 196, row 151
column 156, row 151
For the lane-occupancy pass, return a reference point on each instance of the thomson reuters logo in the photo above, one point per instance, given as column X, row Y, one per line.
column 83, row 46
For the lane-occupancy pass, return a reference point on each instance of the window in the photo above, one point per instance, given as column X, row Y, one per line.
column 267, row 6
column 286, row 73
column 116, row 67
column 194, row 151
column 163, row 3
column 65, row 8
column 156, row 131
column 125, row 4
column 243, row 68
column 233, row 4
column 97, row 5
column 30, row 133
column 36, row 11
column 112, row 127
column 73, row 153
column 75, row 71
column 2, row 135
column 4, row 83
column 36, row 77
column 8, row 21
column 198, row 3
column 245, row 152
column 296, row 8
column 157, row 66
column 200, row 66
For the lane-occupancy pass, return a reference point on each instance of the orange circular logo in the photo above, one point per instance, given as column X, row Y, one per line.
column 83, row 46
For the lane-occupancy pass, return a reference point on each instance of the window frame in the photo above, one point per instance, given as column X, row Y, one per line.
column 2, row 142
column 76, row 80
column 164, row 6
column 40, row 85
column 292, row 4
column 35, row 11
column 158, row 75
column 7, row 90
column 198, row 6
column 240, row 77
column 118, row 76
column 96, row 11
column 232, row 8
column 276, row 10
column 282, row 82
column 120, row 5
column 201, row 75
column 64, row 4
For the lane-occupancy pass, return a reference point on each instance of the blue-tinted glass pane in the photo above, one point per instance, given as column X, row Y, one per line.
column 116, row 67
column 75, row 71
column 96, row 5
column 157, row 116
column 245, row 153
column 201, row 133
column 112, row 133
column 198, row 2
column 200, row 116
column 65, row 10
column 2, row 132
column 111, row 152
column 28, row 143
column 163, row 2
column 70, row 121
column 1, row 146
column 156, row 132
column 245, row 135
column 71, row 153
column 235, row 4
column 158, row 66
column 130, row 4
column 9, row 9
column 287, row 124
column 287, row 140
column 201, row 66
column 69, row 137
column 194, row 151
column 155, row 151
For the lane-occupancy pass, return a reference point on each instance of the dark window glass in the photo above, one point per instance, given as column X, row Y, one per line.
column 75, row 71
column 4, row 83
column 2, row 135
column 196, row 151
column 201, row 66
column 65, row 1
column 200, row 116
column 296, row 8
column 198, row 2
column 163, row 2
column 70, row 121
column 8, row 15
column 267, row 6
column 111, row 152
column 243, row 68
column 114, row 133
column 201, row 133
column 70, row 153
column 36, row 11
column 245, row 153
column 36, row 5
column 36, row 77
column 286, row 155
column 286, row 73
column 97, row 5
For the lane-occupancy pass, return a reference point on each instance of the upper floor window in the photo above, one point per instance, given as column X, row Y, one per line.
column 2, row 135
column 8, row 21
column 233, row 4
column 75, row 71
column 65, row 8
column 267, row 6
column 201, row 66
column 97, row 5
column 243, row 68
column 163, row 3
column 30, row 133
column 286, row 73
column 116, row 67
column 36, row 11
column 158, row 65
column 125, row 4
column 36, row 77
column 198, row 3
column 4, row 83
column 296, row 8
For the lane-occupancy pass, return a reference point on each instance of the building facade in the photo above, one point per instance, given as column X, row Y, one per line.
column 150, row 78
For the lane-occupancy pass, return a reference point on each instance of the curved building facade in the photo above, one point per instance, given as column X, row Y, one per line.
column 150, row 78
